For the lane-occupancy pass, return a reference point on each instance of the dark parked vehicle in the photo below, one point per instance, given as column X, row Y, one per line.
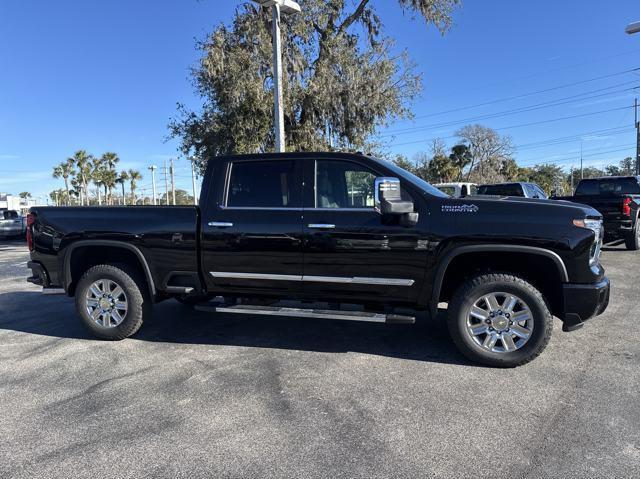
column 339, row 229
column 525, row 190
column 618, row 199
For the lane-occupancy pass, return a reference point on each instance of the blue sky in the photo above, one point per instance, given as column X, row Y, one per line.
column 106, row 76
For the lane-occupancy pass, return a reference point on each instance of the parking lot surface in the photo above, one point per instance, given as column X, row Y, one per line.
column 196, row 395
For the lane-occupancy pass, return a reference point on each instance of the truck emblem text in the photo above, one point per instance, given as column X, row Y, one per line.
column 460, row 208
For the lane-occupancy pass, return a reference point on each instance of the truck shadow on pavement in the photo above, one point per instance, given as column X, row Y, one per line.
column 429, row 341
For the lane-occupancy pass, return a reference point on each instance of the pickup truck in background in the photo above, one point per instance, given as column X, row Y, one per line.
column 11, row 224
column 525, row 190
column 617, row 198
column 348, row 236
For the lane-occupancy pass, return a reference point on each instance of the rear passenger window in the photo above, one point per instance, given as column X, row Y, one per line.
column 261, row 184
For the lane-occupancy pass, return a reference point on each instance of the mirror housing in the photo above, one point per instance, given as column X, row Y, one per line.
column 388, row 199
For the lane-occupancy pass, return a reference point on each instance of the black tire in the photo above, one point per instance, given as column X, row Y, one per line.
column 632, row 241
column 135, row 289
column 470, row 292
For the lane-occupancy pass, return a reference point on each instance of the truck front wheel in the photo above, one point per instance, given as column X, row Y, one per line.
column 111, row 301
column 499, row 320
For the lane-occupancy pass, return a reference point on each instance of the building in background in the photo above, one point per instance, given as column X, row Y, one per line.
column 21, row 205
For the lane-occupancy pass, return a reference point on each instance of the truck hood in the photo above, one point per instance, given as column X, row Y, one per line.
column 510, row 219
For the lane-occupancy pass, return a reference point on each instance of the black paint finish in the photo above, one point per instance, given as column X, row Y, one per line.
column 277, row 240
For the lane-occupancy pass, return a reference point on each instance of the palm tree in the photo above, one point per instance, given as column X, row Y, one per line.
column 25, row 195
column 110, row 160
column 134, row 177
column 97, row 168
column 83, row 162
column 122, row 179
column 64, row 170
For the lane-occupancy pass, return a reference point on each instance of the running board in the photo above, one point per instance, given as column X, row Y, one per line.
column 308, row 313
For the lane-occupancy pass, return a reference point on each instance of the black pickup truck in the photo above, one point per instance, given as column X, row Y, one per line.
column 618, row 199
column 359, row 235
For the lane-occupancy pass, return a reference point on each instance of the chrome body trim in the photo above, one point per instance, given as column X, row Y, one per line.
column 315, row 279
column 220, row 224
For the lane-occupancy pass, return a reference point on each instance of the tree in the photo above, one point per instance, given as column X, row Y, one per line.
column 64, row 170
column 404, row 163
column 627, row 167
column 182, row 198
column 134, row 177
column 109, row 161
column 342, row 80
column 588, row 172
column 25, row 195
column 122, row 178
column 488, row 152
column 97, row 168
column 551, row 178
column 82, row 161
column 461, row 158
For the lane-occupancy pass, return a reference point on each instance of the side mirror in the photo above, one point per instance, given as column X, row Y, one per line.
column 388, row 199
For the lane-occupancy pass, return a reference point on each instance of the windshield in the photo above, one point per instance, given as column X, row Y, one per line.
column 608, row 186
column 9, row 214
column 512, row 189
column 416, row 180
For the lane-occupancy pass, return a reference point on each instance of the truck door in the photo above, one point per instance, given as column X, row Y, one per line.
column 350, row 253
column 252, row 227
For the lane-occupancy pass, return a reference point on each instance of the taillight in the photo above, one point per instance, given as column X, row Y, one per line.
column 626, row 208
column 31, row 218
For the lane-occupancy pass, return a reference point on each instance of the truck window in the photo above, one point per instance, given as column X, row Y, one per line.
column 10, row 215
column 343, row 184
column 608, row 186
column 261, row 184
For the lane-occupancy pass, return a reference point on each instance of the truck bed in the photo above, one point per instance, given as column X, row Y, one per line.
column 166, row 236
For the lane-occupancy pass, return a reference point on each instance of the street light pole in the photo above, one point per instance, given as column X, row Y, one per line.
column 278, row 7
column 153, row 181
column 631, row 29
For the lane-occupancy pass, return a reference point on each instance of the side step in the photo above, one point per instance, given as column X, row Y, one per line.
column 308, row 313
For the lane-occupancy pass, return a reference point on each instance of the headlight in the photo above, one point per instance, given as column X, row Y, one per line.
column 598, row 229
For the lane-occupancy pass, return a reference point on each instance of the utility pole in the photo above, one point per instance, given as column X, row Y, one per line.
column 193, row 180
column 581, row 168
column 637, row 138
column 166, row 184
column 153, row 181
column 571, row 173
column 277, row 7
column 173, row 183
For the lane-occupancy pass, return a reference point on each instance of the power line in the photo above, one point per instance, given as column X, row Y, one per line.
column 574, row 158
column 525, row 95
column 525, row 109
column 521, row 125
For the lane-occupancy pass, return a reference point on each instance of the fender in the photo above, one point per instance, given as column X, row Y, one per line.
column 112, row 243
column 444, row 263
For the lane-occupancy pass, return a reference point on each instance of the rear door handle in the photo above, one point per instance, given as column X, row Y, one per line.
column 321, row 226
column 220, row 224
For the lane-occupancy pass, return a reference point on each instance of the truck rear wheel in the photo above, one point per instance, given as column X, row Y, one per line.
column 499, row 320
column 111, row 301
column 632, row 241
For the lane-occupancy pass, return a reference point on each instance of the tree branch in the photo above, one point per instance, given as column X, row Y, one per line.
column 357, row 13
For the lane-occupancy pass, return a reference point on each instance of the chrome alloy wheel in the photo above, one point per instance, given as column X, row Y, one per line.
column 500, row 322
column 106, row 303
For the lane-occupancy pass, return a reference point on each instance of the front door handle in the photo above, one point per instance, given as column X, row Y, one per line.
column 321, row 226
column 220, row 224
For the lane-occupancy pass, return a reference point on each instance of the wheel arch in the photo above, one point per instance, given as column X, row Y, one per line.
column 480, row 255
column 101, row 250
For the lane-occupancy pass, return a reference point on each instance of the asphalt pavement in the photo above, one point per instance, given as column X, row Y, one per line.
column 201, row 395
